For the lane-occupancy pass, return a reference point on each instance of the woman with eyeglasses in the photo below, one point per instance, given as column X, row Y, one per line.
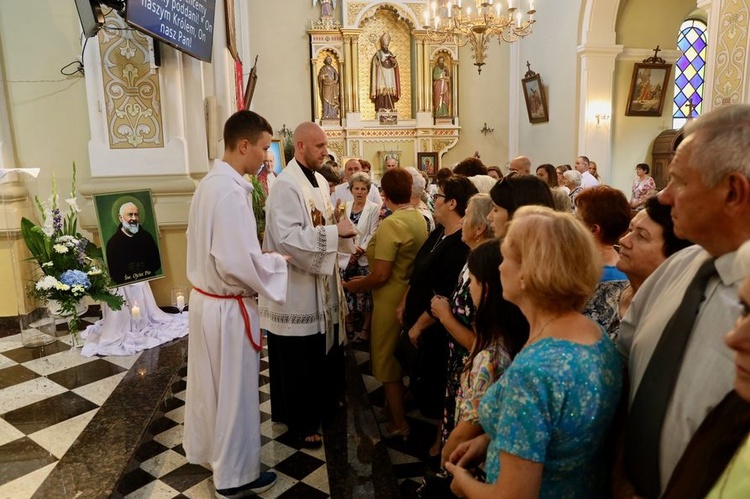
column 436, row 271
column 457, row 312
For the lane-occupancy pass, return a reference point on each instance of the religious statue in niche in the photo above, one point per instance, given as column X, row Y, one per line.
column 441, row 89
column 328, row 86
column 385, row 85
column 326, row 7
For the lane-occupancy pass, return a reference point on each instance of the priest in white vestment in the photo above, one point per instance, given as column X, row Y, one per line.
column 227, row 268
column 306, row 358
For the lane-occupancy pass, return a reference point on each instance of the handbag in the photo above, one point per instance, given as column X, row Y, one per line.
column 406, row 353
column 436, row 486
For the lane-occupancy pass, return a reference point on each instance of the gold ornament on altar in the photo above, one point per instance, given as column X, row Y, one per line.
column 451, row 21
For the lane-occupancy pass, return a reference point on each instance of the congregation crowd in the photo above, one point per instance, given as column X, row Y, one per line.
column 572, row 341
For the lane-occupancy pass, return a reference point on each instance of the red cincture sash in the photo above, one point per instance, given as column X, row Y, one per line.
column 243, row 310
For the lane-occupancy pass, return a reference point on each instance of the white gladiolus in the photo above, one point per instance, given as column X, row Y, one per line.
column 73, row 204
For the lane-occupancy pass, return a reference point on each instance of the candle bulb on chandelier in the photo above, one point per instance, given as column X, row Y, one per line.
column 518, row 20
column 426, row 19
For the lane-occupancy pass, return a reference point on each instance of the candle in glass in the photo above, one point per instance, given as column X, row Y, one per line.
column 135, row 312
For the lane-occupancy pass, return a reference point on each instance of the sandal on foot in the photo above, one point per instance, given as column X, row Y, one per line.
column 310, row 444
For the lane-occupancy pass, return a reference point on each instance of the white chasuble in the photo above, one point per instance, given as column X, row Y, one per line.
column 222, row 419
column 300, row 223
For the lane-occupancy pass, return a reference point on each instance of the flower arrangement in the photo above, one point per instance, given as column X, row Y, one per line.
column 70, row 267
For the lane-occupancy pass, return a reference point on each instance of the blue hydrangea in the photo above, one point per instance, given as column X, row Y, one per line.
column 75, row 278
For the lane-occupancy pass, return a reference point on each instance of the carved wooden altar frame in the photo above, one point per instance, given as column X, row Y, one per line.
column 355, row 135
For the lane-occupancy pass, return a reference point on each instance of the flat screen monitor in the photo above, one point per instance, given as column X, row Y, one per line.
column 187, row 25
column 91, row 16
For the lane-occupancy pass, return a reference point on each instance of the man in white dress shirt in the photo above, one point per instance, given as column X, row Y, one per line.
column 344, row 194
column 227, row 268
column 709, row 192
column 587, row 180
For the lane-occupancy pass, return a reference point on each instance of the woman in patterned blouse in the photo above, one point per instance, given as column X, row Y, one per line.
column 643, row 186
column 500, row 332
column 547, row 417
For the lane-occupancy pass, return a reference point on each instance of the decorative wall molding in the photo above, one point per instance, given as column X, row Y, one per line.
column 731, row 53
column 131, row 88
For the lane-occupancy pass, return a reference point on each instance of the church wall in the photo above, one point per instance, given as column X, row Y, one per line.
column 483, row 98
column 641, row 24
column 278, row 35
column 46, row 110
column 551, row 51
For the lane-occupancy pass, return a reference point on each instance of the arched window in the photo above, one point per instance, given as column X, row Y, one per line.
column 690, row 71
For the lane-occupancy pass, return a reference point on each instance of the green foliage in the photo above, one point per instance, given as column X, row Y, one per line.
column 70, row 267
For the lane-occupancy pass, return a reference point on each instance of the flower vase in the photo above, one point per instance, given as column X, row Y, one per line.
column 75, row 334
column 54, row 308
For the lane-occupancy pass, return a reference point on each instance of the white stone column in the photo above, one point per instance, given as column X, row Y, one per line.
column 596, row 88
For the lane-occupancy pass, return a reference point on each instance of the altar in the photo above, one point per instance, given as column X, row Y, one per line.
column 380, row 87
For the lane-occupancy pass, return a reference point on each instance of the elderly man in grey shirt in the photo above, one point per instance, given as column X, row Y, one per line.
column 709, row 192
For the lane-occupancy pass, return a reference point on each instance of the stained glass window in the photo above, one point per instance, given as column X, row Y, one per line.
column 690, row 71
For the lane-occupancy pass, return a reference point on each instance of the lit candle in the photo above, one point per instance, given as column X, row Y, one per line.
column 459, row 4
column 180, row 301
column 437, row 22
column 426, row 18
column 135, row 312
column 497, row 8
column 450, row 11
column 531, row 5
column 518, row 19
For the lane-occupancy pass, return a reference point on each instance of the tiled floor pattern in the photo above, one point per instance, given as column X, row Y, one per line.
column 159, row 468
column 47, row 397
column 407, row 457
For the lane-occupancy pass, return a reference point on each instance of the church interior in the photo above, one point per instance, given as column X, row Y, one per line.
column 135, row 113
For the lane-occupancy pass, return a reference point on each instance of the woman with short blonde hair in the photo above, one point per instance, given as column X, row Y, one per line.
column 547, row 417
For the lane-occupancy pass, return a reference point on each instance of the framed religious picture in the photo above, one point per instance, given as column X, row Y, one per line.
column 130, row 236
column 536, row 102
column 428, row 162
column 278, row 156
column 648, row 89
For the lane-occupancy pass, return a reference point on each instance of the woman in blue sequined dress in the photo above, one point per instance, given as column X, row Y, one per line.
column 547, row 418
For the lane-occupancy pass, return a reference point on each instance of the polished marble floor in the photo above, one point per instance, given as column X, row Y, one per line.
column 72, row 426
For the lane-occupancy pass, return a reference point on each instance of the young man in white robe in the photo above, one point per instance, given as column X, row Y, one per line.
column 227, row 268
column 305, row 353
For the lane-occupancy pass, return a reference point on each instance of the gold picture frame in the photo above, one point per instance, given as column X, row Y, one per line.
column 648, row 89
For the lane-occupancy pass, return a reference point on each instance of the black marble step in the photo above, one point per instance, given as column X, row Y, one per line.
column 94, row 463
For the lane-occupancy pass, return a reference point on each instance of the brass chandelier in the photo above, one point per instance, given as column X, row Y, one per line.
column 448, row 20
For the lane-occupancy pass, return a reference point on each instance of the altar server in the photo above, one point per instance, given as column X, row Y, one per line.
column 227, row 268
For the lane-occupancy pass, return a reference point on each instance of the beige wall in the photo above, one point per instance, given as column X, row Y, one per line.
column 278, row 37
column 552, row 53
column 483, row 98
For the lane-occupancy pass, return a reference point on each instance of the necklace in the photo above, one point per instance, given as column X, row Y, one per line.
column 444, row 236
column 533, row 338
